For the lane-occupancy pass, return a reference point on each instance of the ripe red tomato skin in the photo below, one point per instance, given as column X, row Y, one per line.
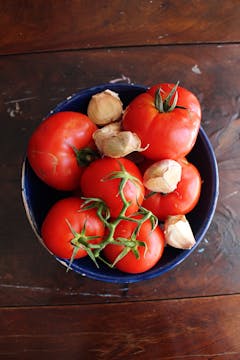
column 56, row 233
column 50, row 149
column 170, row 135
column 154, row 240
column 94, row 183
column 182, row 200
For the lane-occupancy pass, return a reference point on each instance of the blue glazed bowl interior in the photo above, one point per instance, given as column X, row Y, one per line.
column 38, row 197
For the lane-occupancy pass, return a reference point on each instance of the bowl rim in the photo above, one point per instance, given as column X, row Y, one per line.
column 125, row 277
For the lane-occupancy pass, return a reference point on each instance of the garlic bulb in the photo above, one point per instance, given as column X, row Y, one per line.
column 163, row 176
column 113, row 142
column 105, row 107
column 178, row 232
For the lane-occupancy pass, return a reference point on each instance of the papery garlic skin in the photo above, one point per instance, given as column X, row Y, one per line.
column 105, row 107
column 163, row 176
column 101, row 135
column 178, row 232
column 121, row 145
column 113, row 142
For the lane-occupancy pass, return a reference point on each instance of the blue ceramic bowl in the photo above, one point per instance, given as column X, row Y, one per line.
column 38, row 197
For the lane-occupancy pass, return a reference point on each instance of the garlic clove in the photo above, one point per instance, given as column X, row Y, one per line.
column 105, row 107
column 163, row 176
column 113, row 142
column 178, row 232
column 122, row 144
column 101, row 135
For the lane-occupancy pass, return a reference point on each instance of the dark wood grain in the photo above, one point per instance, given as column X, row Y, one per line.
column 51, row 49
column 206, row 328
column 28, row 26
column 32, row 85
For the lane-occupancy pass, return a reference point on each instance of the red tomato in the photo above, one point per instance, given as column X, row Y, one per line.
column 62, row 220
column 170, row 133
column 96, row 183
column 51, row 149
column 149, row 254
column 182, row 200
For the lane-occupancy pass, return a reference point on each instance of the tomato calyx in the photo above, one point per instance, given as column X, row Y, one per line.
column 85, row 155
column 125, row 176
column 96, row 203
column 169, row 103
column 83, row 241
column 133, row 243
column 128, row 245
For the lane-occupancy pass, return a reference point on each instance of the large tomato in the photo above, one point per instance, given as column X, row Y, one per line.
column 58, row 148
column 149, row 254
column 168, row 125
column 63, row 221
column 180, row 201
column 102, row 179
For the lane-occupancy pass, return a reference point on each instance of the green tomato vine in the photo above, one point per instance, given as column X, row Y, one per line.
column 94, row 250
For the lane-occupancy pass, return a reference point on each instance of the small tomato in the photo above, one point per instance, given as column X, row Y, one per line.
column 103, row 179
column 68, row 226
column 148, row 254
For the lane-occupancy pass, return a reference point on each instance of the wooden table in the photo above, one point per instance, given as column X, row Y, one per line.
column 51, row 49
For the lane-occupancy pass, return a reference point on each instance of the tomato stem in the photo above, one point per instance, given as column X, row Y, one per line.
column 83, row 241
column 85, row 155
column 111, row 224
